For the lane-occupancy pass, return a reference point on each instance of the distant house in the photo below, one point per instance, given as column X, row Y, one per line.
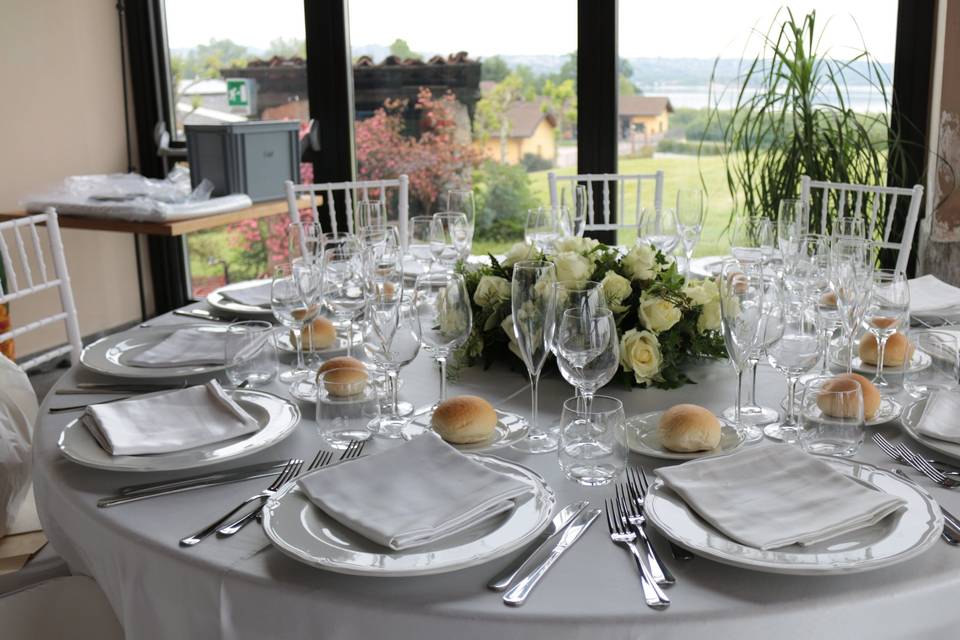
column 644, row 117
column 531, row 131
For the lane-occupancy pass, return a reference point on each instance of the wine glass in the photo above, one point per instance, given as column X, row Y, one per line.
column 793, row 351
column 588, row 351
column 344, row 285
column 766, row 239
column 888, row 310
column 659, row 227
column 744, row 245
column 370, row 213
column 690, row 212
column 374, row 236
column 792, row 223
column 542, row 228
column 305, row 241
column 391, row 340
column 462, row 201
column 295, row 301
column 449, row 238
column 741, row 309
column 418, row 242
column 851, row 280
column 533, row 300
column 850, row 227
column 576, row 220
column 442, row 306
column 335, row 239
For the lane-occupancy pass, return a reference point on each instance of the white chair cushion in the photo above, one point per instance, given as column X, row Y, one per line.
column 62, row 608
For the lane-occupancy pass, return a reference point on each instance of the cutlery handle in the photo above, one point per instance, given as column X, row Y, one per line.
column 660, row 571
column 652, row 593
column 518, row 594
column 239, row 523
column 197, row 537
column 503, row 580
column 133, row 496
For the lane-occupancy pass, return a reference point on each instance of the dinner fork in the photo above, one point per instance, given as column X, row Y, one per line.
column 289, row 471
column 888, row 449
column 633, row 516
column 901, row 452
column 322, row 459
column 626, row 538
column 639, row 485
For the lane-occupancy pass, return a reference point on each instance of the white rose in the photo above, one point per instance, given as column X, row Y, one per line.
column 709, row 319
column 658, row 314
column 616, row 289
column 573, row 243
column 491, row 290
column 701, row 291
column 572, row 267
column 507, row 326
column 519, row 251
column 641, row 262
column 640, row 353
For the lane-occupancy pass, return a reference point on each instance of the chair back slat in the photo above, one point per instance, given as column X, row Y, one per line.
column 24, row 258
column 35, row 237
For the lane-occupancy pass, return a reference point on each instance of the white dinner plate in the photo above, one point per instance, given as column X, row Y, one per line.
column 889, row 411
column 304, row 532
column 918, row 362
column 275, row 416
column 109, row 355
column 217, row 300
column 898, row 537
column 510, row 430
column 643, row 437
column 911, row 418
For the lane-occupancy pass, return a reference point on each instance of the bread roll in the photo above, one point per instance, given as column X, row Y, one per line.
column 688, row 427
column 305, row 312
column 871, row 397
column 340, row 362
column 464, row 420
column 839, row 406
column 897, row 351
column 829, row 299
column 344, row 382
column 323, row 335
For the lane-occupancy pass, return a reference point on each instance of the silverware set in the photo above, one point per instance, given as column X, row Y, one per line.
column 229, row 524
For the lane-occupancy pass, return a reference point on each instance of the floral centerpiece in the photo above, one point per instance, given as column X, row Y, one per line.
column 663, row 321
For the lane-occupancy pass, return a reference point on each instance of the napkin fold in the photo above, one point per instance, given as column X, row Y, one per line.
column 252, row 296
column 773, row 496
column 930, row 295
column 184, row 347
column 940, row 417
column 169, row 421
column 416, row 493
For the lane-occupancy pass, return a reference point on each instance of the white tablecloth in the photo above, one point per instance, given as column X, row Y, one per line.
column 241, row 587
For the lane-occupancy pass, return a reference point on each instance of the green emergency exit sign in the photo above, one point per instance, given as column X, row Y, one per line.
column 240, row 95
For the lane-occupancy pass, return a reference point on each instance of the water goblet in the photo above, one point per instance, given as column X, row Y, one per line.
column 542, row 228
column 593, row 441
column 442, row 306
column 449, row 238
column 305, row 241
column 295, row 302
column 831, row 417
column 690, row 212
column 888, row 310
column 576, row 221
column 659, row 228
column 344, row 285
column 588, row 375
column 418, row 241
column 744, row 242
column 370, row 213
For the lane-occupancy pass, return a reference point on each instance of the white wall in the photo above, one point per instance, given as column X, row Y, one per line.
column 61, row 113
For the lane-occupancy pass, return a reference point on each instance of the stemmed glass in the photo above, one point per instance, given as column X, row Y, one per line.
column 442, row 306
column 766, row 239
column 888, row 309
column 741, row 309
column 344, row 284
column 791, row 225
column 462, row 201
column 449, row 238
column 588, row 351
column 419, row 239
column 851, row 280
column 533, row 300
column 370, row 213
column 543, row 228
column 850, row 227
column 689, row 222
column 295, row 301
column 793, row 351
column 391, row 340
column 305, row 241
column 576, row 222
column 744, row 244
column 660, row 228
column 379, row 236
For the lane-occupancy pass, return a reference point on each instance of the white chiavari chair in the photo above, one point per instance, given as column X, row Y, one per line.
column 27, row 274
column 828, row 201
column 353, row 193
column 648, row 192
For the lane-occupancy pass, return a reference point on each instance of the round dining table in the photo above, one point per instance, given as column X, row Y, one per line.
column 242, row 587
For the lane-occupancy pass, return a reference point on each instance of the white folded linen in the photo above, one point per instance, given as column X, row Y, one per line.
column 776, row 495
column 940, row 416
column 252, row 296
column 931, row 295
column 184, row 347
column 168, row 421
column 413, row 494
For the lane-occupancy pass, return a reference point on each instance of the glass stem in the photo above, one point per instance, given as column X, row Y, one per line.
column 298, row 334
column 442, row 365
column 739, row 396
column 850, row 338
column 587, row 400
column 825, row 346
column 392, row 380
column 752, row 398
column 791, row 397
column 882, row 342
column 534, row 393
column 350, row 337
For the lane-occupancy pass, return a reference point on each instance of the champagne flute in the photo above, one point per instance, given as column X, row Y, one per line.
column 449, row 238
column 443, row 309
column 690, row 213
column 462, row 201
column 533, row 300
column 344, row 285
column 577, row 218
column 660, row 228
column 418, row 242
column 305, row 241
column 792, row 223
column 888, row 309
column 295, row 301
column 741, row 310
column 766, row 239
column 851, row 280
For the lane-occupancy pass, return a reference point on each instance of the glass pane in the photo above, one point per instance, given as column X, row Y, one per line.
column 666, row 90
column 487, row 101
column 260, row 52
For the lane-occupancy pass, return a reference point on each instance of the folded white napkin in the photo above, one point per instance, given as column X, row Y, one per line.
column 776, row 495
column 940, row 417
column 930, row 295
column 413, row 494
column 184, row 347
column 253, row 296
column 168, row 421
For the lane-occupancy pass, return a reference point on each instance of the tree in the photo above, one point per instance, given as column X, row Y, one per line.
column 560, row 100
column 492, row 111
column 569, row 69
column 494, row 68
column 287, row 48
column 204, row 62
column 402, row 50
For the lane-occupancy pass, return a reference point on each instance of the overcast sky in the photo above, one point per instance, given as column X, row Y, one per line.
column 672, row 29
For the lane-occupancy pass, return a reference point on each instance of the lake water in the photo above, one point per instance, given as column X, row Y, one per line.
column 864, row 99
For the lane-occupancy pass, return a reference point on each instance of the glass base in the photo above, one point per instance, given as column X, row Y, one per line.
column 388, row 427
column 404, row 408
column 781, row 433
column 836, row 449
column 343, row 439
column 293, row 375
column 591, row 476
column 754, row 416
column 539, row 441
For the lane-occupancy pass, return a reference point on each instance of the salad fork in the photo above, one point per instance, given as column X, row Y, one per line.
column 637, row 481
column 634, row 517
column 290, row 471
column 623, row 536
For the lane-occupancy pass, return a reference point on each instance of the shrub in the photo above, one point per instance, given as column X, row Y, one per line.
column 503, row 197
column 533, row 162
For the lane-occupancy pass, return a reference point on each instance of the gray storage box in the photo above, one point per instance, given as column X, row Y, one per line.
column 254, row 158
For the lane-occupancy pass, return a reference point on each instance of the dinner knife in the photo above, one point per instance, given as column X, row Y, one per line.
column 564, row 517
column 518, row 594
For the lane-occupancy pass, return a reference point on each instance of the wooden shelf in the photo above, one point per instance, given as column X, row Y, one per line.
column 172, row 228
